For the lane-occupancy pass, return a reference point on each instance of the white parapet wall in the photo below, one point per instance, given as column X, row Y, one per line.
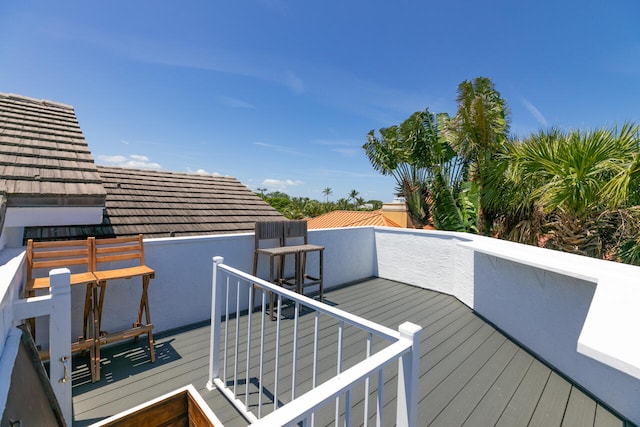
column 429, row 259
column 180, row 293
column 11, row 277
column 544, row 299
column 578, row 314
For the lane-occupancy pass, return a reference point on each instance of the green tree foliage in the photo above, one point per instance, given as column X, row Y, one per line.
column 304, row 207
column 478, row 132
column 353, row 196
column 569, row 191
column 327, row 192
column 414, row 153
column 374, row 204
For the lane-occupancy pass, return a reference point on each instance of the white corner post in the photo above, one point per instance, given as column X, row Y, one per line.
column 216, row 314
column 56, row 305
column 408, row 373
column 60, row 340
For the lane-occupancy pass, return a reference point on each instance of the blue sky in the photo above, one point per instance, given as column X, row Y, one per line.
column 281, row 94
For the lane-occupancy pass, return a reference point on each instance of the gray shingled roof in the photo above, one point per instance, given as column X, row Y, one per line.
column 45, row 161
column 165, row 204
column 159, row 203
column 44, row 158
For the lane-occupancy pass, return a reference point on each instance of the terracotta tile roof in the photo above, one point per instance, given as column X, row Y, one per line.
column 165, row 204
column 44, row 158
column 336, row 219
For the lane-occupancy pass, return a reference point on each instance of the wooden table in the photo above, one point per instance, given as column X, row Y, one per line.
column 298, row 280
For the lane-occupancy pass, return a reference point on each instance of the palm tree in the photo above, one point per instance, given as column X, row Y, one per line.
column 342, row 204
column 353, row 194
column 327, row 192
column 414, row 153
column 477, row 132
column 568, row 180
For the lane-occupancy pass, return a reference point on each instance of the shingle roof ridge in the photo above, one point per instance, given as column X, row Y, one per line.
column 35, row 100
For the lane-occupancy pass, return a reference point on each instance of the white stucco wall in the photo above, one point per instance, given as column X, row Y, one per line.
column 546, row 311
column 11, row 278
column 180, row 293
column 52, row 215
column 539, row 297
column 429, row 259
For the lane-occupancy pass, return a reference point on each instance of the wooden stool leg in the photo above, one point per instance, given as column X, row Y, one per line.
column 103, row 288
column 144, row 306
column 32, row 321
column 95, row 314
column 87, row 320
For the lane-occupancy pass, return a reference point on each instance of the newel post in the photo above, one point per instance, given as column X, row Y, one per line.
column 216, row 315
column 408, row 375
column 60, row 340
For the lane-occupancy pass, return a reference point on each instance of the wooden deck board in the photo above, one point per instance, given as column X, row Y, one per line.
column 605, row 418
column 581, row 411
column 469, row 372
column 552, row 403
column 494, row 402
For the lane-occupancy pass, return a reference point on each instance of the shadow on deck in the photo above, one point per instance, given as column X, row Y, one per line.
column 470, row 373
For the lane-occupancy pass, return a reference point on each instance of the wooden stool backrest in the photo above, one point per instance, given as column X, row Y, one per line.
column 295, row 229
column 118, row 249
column 59, row 254
column 269, row 230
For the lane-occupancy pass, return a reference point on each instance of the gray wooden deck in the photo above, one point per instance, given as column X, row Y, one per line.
column 471, row 374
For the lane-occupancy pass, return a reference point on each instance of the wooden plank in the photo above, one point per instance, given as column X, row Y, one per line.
column 605, row 418
column 552, row 403
column 171, row 411
column 468, row 397
column 457, row 356
column 580, row 411
column 494, row 402
column 458, row 374
column 523, row 402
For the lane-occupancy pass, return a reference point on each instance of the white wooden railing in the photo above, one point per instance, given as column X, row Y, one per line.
column 239, row 344
column 56, row 305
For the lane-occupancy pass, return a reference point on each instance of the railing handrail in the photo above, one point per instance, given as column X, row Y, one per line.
column 352, row 319
column 404, row 347
column 308, row 402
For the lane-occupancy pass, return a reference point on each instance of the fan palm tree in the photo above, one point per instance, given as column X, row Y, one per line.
column 569, row 180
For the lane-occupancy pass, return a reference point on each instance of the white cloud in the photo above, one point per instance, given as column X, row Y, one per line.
column 535, row 112
column 139, row 158
column 112, row 159
column 280, row 185
column 328, row 84
column 294, row 83
column 132, row 161
column 236, row 103
column 280, row 149
column 203, row 172
column 344, row 147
